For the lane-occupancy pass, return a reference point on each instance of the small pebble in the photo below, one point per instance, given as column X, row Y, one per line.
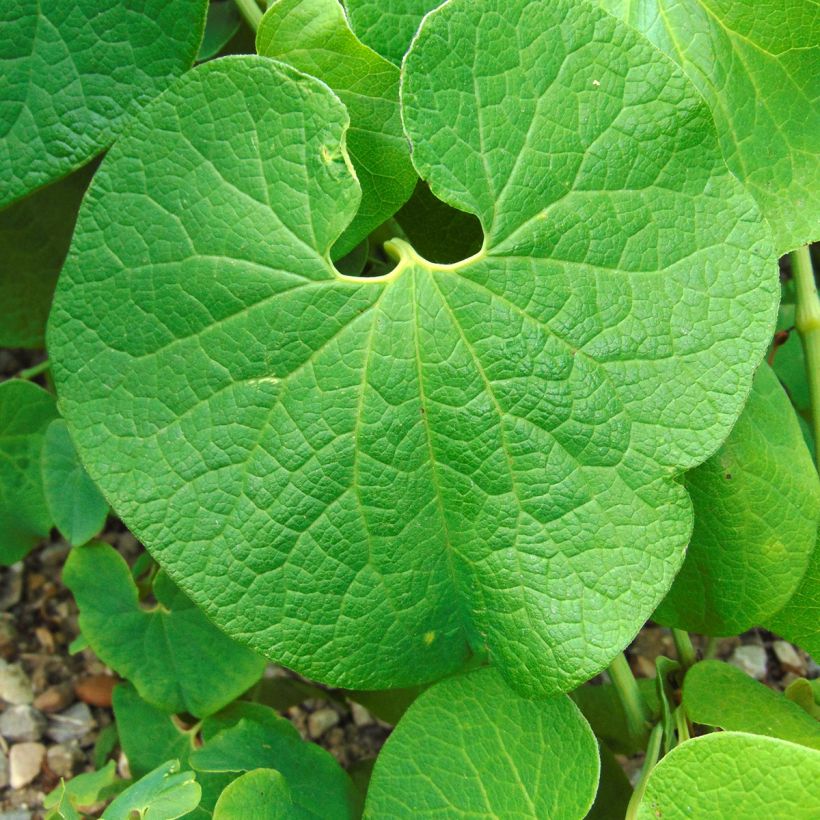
column 62, row 760
column 96, row 690
column 8, row 636
column 320, row 721
column 55, row 698
column 751, row 659
column 11, row 585
column 72, row 724
column 4, row 769
column 360, row 715
column 16, row 814
column 15, row 687
column 788, row 657
column 22, row 723
column 25, row 760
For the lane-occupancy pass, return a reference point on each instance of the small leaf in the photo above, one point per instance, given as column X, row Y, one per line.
column 73, row 73
column 222, row 24
column 799, row 620
column 34, row 237
column 756, row 65
column 83, row 790
column 719, row 694
column 74, row 502
column 163, row 794
column 388, row 27
column 757, row 507
column 730, row 774
column 806, row 694
column 472, row 747
column 262, row 794
column 313, row 36
column 320, row 787
column 208, row 669
column 26, row 411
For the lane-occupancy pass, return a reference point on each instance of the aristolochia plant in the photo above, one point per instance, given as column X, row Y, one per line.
column 388, row 457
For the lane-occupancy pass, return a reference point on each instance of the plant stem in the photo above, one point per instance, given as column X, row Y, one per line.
column 711, row 648
column 683, row 644
column 251, row 12
column 35, row 371
column 653, row 750
column 637, row 713
column 807, row 321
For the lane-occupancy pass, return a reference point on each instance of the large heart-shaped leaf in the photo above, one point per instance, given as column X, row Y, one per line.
column 756, row 65
column 26, row 411
column 471, row 747
column 313, row 36
column 365, row 478
column 73, row 71
column 719, row 694
column 732, row 774
column 757, row 507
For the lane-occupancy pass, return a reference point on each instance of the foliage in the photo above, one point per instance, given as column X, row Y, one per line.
column 423, row 350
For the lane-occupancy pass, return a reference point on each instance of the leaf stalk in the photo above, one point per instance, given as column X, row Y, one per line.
column 250, row 12
column 653, row 751
column 637, row 712
column 684, row 648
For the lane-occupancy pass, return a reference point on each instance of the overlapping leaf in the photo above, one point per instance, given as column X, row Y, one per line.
column 756, row 65
column 732, row 774
column 313, row 36
column 471, row 747
column 26, row 411
column 73, row 71
column 366, row 478
column 388, row 26
column 757, row 507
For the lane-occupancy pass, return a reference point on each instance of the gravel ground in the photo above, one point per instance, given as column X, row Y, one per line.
column 54, row 705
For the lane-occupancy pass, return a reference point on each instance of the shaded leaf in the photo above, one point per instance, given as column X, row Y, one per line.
column 221, row 25
column 614, row 790
column 262, row 794
column 163, row 794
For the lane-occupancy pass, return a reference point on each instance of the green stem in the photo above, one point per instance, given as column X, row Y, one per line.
column 653, row 750
column 807, row 321
column 35, row 371
column 682, row 724
column 637, row 713
column 711, row 648
column 251, row 12
column 683, row 645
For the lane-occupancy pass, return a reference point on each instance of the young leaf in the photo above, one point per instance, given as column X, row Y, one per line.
column 80, row 791
column 26, row 411
column 756, row 65
column 73, row 73
column 731, row 774
column 34, row 237
column 74, row 502
column 719, row 694
column 757, row 507
column 262, row 794
column 209, row 669
column 320, row 787
column 222, row 24
column 472, row 747
column 367, row 478
column 388, row 26
column 806, row 694
column 164, row 794
column 314, row 36
column 799, row 620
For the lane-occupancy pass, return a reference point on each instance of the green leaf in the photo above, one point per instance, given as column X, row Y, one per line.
column 799, row 620
column 806, row 694
column 83, row 790
column 602, row 707
column 472, row 747
column 614, row 790
column 368, row 479
column 222, row 24
column 74, row 502
column 34, row 237
column 74, row 71
column 667, row 670
column 387, row 704
column 756, row 65
column 175, row 657
column 26, row 411
column 388, row 26
column 731, row 774
column 320, row 787
column 163, row 794
column 757, row 506
column 719, row 694
column 262, row 794
column 313, row 36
